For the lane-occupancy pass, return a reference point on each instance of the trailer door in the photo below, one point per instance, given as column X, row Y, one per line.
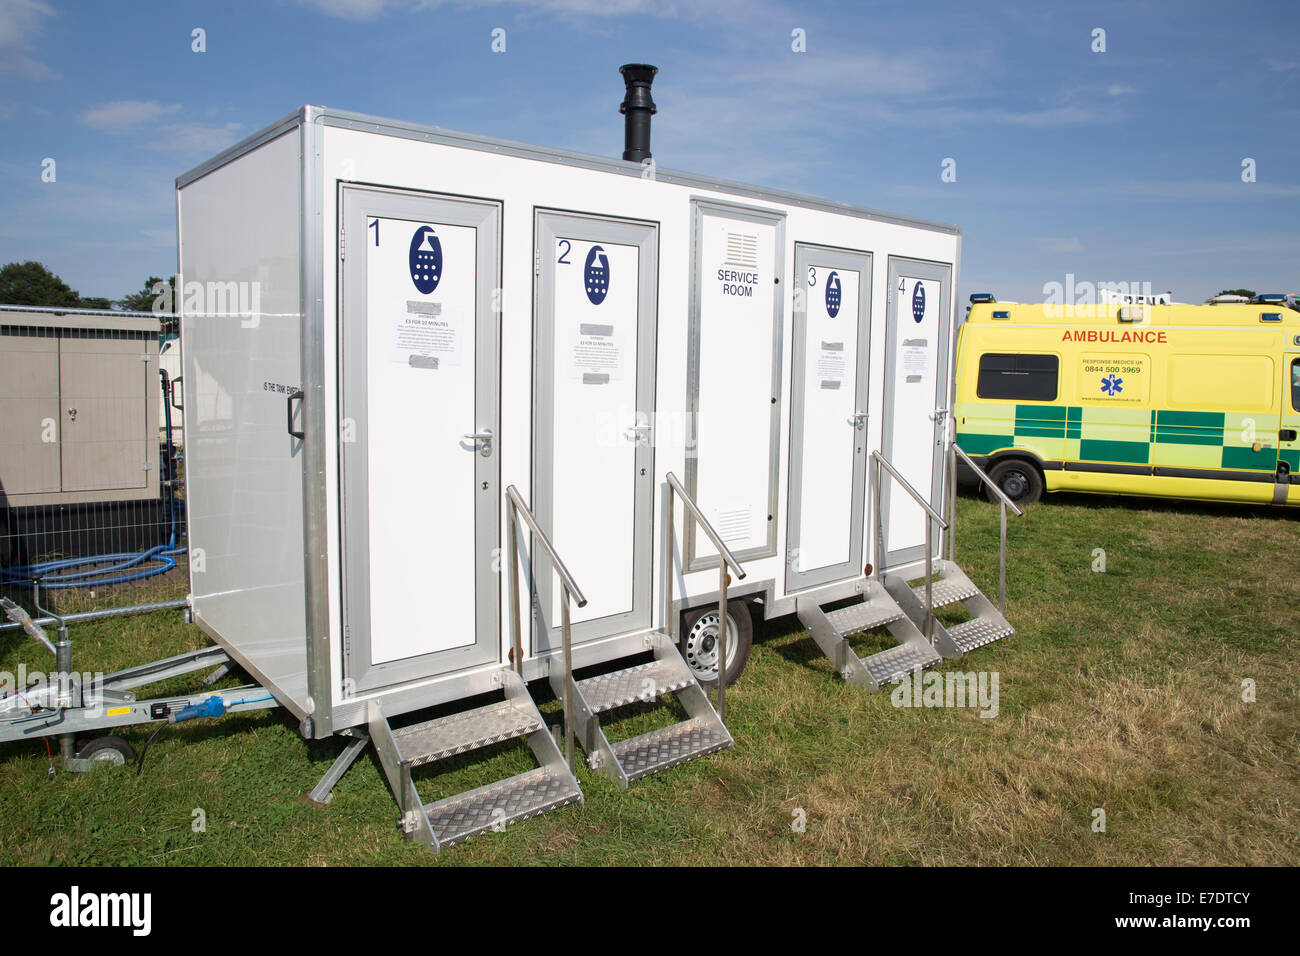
column 916, row 400
column 418, row 434
column 593, row 402
column 828, row 415
column 1288, row 443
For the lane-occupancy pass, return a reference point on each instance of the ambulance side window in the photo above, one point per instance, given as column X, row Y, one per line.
column 1295, row 385
column 1018, row 378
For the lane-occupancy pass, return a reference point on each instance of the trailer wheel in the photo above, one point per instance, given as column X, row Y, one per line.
column 111, row 751
column 1018, row 479
column 699, row 643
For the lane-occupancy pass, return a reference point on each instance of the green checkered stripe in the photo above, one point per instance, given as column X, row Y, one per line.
column 1130, row 436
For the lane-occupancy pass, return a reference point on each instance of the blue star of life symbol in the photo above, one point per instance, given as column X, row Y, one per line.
column 1112, row 385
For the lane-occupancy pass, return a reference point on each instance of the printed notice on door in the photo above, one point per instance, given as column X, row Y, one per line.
column 831, row 365
column 915, row 360
column 426, row 339
column 596, row 356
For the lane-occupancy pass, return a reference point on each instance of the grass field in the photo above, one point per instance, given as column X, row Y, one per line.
column 1122, row 691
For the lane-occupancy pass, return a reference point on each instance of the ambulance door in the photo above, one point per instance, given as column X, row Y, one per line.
column 1288, row 436
column 593, row 403
column 418, row 361
column 828, row 415
column 915, row 402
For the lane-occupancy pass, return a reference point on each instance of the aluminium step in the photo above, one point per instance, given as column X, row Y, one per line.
column 700, row 734
column 639, row 684
column 951, row 585
column 831, row 630
column 493, row 805
column 979, row 631
column 892, row 665
column 945, row 591
column 468, row 730
column 669, row 746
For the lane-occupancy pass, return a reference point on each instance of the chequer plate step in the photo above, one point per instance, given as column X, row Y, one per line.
column 465, row 731
column 669, row 746
column 977, row 632
column 505, row 801
column 644, row 682
column 863, row 617
column 947, row 591
column 892, row 665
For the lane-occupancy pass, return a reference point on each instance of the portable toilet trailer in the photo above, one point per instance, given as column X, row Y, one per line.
column 662, row 389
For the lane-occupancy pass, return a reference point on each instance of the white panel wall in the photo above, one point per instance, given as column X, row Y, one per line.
column 241, row 356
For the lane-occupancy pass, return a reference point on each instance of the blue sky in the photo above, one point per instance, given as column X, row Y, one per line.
column 1117, row 166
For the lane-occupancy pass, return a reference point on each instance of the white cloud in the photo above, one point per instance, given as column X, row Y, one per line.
column 1120, row 89
column 352, row 9
column 21, row 22
column 196, row 137
column 583, row 10
column 126, row 114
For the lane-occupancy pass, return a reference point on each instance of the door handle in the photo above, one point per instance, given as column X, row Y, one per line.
column 1286, row 434
column 293, row 396
column 939, row 415
column 858, row 419
column 638, row 431
column 174, row 386
column 484, row 436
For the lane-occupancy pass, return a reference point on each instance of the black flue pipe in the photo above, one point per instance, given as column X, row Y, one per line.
column 637, row 108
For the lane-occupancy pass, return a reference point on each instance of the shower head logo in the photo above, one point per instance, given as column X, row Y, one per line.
column 595, row 275
column 425, row 259
column 833, row 290
column 918, row 303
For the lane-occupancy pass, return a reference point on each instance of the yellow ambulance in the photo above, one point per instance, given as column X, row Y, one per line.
column 1184, row 401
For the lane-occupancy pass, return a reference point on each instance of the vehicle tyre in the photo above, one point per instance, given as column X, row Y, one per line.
column 110, row 751
column 699, row 642
column 1019, row 480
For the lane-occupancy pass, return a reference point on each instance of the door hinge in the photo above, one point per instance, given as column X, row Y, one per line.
column 343, row 245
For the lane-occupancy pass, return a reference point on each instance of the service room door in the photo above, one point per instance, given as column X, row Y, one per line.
column 418, row 430
column 593, row 401
column 916, row 400
column 828, row 420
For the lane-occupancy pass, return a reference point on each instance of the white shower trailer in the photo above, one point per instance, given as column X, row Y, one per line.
column 440, row 316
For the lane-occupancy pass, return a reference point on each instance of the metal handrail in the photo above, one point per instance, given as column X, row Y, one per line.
column 933, row 517
column 726, row 560
column 1003, row 504
column 515, row 508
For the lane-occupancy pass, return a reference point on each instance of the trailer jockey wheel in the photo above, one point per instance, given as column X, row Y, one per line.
column 1019, row 481
column 108, row 751
column 699, row 642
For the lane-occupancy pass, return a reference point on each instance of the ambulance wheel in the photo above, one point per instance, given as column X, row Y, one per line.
column 1019, row 480
column 109, row 751
column 699, row 643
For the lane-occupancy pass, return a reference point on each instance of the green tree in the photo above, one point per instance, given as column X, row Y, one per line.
column 1248, row 293
column 30, row 283
column 148, row 298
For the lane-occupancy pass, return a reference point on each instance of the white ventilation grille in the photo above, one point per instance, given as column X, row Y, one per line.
column 742, row 249
column 734, row 524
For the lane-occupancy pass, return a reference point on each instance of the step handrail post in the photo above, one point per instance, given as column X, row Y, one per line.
column 725, row 560
column 518, row 510
column 1005, row 503
column 932, row 518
